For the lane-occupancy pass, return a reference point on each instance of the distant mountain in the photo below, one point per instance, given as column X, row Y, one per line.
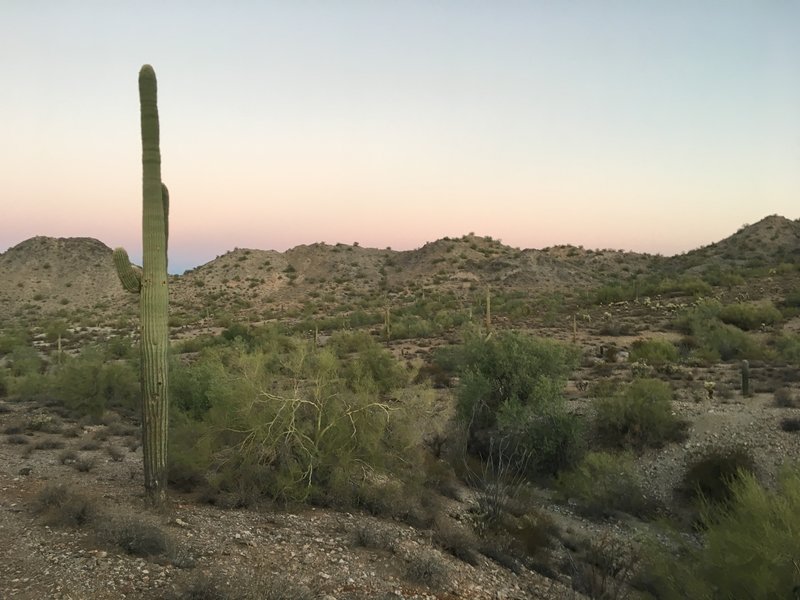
column 45, row 276
column 768, row 243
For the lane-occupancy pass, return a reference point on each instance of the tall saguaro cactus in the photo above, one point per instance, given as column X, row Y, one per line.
column 151, row 285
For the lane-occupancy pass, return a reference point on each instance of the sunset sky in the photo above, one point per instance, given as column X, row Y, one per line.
column 648, row 126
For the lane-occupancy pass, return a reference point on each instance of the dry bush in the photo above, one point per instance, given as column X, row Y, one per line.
column 134, row 535
column 89, row 445
column 457, row 539
column 428, row 568
column 48, row 444
column 786, row 398
column 59, row 504
column 84, row 464
column 605, row 568
column 67, row 456
column 16, row 439
column 116, row 454
column 371, row 534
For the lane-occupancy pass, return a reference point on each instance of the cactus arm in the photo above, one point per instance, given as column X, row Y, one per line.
column 129, row 275
column 165, row 207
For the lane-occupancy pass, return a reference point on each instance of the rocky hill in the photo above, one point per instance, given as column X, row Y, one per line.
column 44, row 276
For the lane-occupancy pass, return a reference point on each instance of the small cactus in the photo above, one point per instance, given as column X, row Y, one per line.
column 745, row 378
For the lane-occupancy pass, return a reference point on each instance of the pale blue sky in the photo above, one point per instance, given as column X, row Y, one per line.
column 652, row 126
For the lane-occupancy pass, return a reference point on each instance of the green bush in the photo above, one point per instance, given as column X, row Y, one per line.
column 604, row 483
column 653, row 352
column 750, row 547
column 711, row 340
column 788, row 347
column 25, row 360
column 294, row 425
column 639, row 416
column 513, row 368
column 87, row 385
column 750, row 316
column 710, row 475
column 542, row 442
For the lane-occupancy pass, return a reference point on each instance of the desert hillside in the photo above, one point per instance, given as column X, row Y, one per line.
column 463, row 420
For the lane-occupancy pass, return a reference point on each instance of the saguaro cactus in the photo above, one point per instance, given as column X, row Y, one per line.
column 151, row 284
column 745, row 368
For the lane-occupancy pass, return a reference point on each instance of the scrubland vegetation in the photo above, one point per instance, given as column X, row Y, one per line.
column 393, row 404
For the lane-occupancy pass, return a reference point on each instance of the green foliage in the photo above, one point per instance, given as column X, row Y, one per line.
column 544, row 441
column 656, row 285
column 87, row 384
column 750, row 316
column 25, row 360
column 788, row 347
column 639, row 416
column 511, row 368
column 711, row 340
column 750, row 548
column 292, row 423
column 653, row 352
column 604, row 483
column 710, row 475
column 12, row 339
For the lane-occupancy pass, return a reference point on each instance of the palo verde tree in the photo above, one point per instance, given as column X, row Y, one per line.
column 151, row 284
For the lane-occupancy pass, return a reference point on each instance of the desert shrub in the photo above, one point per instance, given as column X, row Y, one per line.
column 604, row 483
column 457, row 540
column 59, row 504
column 511, row 368
column 606, row 566
column 189, row 384
column 373, row 370
column 25, row 360
column 750, row 547
column 728, row 342
column 295, row 425
column 13, row 339
column 788, row 347
column 87, row 385
column 790, row 424
column 711, row 340
column 710, row 474
column 134, row 535
column 540, row 443
column 115, row 453
column 373, row 534
column 3, row 384
column 84, row 464
column 428, row 568
column 653, row 352
column 639, row 416
column 256, row 583
column 785, row 398
column 17, row 440
column 32, row 386
column 48, row 444
column 750, row 316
